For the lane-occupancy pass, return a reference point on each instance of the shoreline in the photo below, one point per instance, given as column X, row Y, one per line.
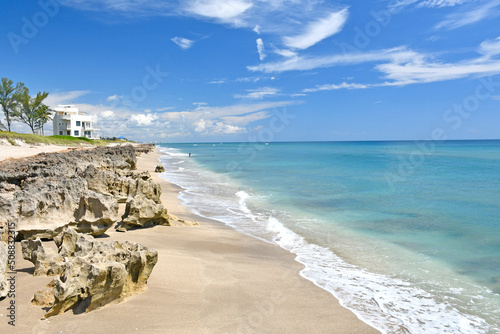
column 208, row 279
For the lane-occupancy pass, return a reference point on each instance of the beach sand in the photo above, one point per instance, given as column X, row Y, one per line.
column 8, row 151
column 208, row 279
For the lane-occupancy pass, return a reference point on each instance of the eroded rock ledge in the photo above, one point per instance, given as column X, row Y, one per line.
column 81, row 188
column 45, row 194
column 90, row 273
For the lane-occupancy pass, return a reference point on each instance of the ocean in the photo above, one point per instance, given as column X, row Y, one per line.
column 404, row 234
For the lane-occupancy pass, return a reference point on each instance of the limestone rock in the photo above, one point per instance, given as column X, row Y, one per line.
column 45, row 297
column 46, row 261
column 144, row 212
column 92, row 273
column 96, row 213
column 159, row 169
column 48, row 192
column 122, row 184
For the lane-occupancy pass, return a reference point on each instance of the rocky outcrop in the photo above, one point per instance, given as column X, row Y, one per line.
column 159, row 169
column 122, row 184
column 46, row 193
column 90, row 273
column 141, row 211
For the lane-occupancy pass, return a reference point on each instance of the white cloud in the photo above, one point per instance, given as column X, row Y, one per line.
column 490, row 48
column 469, row 16
column 182, row 42
column 314, row 19
column 54, row 99
column 404, row 67
column 441, row 3
column 260, row 49
column 343, row 85
column 144, row 119
column 244, row 120
column 218, row 82
column 210, row 128
column 318, row 30
column 113, row 98
column 258, row 93
column 285, row 53
column 107, row 114
column 302, row 63
column 164, row 108
column 224, row 10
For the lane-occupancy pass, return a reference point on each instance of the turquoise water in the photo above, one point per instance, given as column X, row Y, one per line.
column 405, row 234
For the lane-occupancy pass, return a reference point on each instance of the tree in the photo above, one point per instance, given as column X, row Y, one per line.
column 8, row 101
column 30, row 109
column 44, row 113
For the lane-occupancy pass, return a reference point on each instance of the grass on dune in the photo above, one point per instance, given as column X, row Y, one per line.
column 11, row 137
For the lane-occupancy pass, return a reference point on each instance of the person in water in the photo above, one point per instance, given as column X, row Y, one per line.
column 190, row 155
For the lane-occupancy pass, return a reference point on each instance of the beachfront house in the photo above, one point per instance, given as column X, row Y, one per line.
column 68, row 121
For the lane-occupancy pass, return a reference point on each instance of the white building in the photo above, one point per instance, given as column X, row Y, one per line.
column 67, row 121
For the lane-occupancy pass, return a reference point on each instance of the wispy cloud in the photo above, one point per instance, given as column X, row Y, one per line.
column 258, row 93
column 302, row 63
column 315, row 20
column 260, row 49
column 113, row 98
column 57, row 98
column 441, row 3
column 224, row 10
column 318, row 30
column 490, row 48
column 164, row 108
column 343, row 85
column 182, row 42
column 411, row 67
column 468, row 16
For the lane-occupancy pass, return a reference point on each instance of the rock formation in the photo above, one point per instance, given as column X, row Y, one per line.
column 90, row 273
column 159, row 169
column 81, row 188
column 141, row 211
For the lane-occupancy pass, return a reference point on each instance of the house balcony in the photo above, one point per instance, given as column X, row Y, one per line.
column 66, row 117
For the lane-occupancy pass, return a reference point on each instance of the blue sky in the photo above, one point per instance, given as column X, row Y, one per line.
column 263, row 70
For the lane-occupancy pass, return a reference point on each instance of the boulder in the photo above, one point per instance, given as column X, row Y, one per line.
column 144, row 212
column 159, row 169
column 92, row 273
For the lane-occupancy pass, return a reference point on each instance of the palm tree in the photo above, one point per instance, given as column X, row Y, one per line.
column 44, row 114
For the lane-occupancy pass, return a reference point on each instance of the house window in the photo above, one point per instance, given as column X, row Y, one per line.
column 60, row 133
column 68, row 133
column 77, row 133
column 78, row 123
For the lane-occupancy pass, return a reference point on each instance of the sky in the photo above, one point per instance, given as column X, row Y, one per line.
column 262, row 70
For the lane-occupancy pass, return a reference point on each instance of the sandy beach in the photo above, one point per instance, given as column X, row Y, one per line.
column 8, row 151
column 208, row 279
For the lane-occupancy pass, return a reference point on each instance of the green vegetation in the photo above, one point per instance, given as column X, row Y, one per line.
column 18, row 105
column 53, row 140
